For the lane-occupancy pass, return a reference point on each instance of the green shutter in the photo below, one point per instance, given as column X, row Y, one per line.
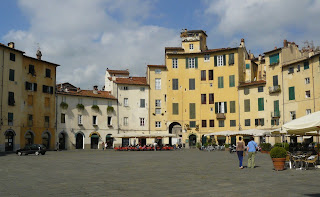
column 260, row 104
column 232, row 107
column 306, row 65
column 247, row 66
column 276, row 106
column 175, row 108
column 187, row 63
column 231, row 58
column 231, row 81
column 216, row 107
column 215, row 60
column 224, row 60
column 192, row 110
column 274, row 58
column 196, row 61
column 291, row 93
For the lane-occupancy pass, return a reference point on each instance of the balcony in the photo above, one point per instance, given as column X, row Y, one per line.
column 274, row 89
column 275, row 114
column 221, row 116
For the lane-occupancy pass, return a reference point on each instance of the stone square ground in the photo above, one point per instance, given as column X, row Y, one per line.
column 172, row 173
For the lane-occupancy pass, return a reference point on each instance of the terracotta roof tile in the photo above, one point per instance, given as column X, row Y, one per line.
column 120, row 72
column 89, row 93
column 160, row 66
column 132, row 81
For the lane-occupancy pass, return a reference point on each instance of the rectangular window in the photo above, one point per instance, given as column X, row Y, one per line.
column 158, row 103
column 158, row 124
column 203, row 99
column 210, row 72
column 125, row 88
column 12, row 57
column 211, row 98
column 211, row 123
column 231, row 58
column 125, row 121
column 204, row 123
column 175, row 108
column 142, row 103
column 260, row 89
column 307, row 80
column 79, row 119
column 158, row 84
column 247, row 105
column 246, row 91
column 192, row 124
column 306, row 65
column 203, row 75
column 308, row 94
column 109, row 120
column 232, row 107
column 142, row 89
column 231, row 81
column 259, row 121
column 232, row 123
column 221, row 107
column 220, row 60
column 298, row 68
column 192, row 110
column 94, row 120
column 308, row 111
column 247, row 122
column 31, row 86
column 275, row 80
column 63, row 118
column 174, row 62
column 221, row 123
column 247, row 66
column 31, row 70
column 158, row 111
column 11, row 75
column 192, row 84
column 11, row 100
column 48, row 73
column 30, row 120
column 291, row 70
column 175, row 84
column 191, row 46
column 47, row 89
column 291, row 93
column 30, row 100
column 157, row 71
column 207, row 57
column 142, row 122
column 192, row 62
column 274, row 59
column 10, row 119
column 260, row 104
column 293, row 115
column 125, row 102
column 46, row 121
column 274, row 122
column 220, row 82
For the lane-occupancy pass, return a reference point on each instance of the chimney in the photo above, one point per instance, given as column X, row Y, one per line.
column 275, row 47
column 285, row 43
column 185, row 30
column 11, row 45
column 260, row 57
column 39, row 54
column 242, row 42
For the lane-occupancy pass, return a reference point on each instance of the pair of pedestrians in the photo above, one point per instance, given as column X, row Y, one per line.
column 251, row 151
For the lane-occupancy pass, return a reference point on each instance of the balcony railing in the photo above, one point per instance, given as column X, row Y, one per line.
column 275, row 114
column 221, row 116
column 274, row 89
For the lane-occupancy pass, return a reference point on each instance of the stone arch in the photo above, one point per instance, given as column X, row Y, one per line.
column 29, row 137
column 9, row 139
column 79, row 140
column 46, row 138
column 192, row 140
column 62, row 140
column 177, row 139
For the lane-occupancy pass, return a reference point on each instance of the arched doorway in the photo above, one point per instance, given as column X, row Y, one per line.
column 175, row 128
column 9, row 141
column 204, row 139
column 94, row 140
column 62, row 140
column 46, row 139
column 29, row 138
column 109, row 141
column 192, row 140
column 79, row 140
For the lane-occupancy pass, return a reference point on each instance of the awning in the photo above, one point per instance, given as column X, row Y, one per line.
column 142, row 135
column 252, row 132
column 221, row 137
column 301, row 126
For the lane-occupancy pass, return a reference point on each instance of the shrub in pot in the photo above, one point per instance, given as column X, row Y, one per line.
column 278, row 156
column 284, row 145
column 265, row 147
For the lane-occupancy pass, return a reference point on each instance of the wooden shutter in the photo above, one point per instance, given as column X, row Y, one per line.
column 187, row 66
column 196, row 62
column 232, row 107
column 291, row 93
column 175, row 108
column 260, row 104
column 35, row 86
column 211, row 98
column 216, row 107
column 11, row 75
column 247, row 105
column 275, row 80
column 224, row 60
column 276, row 106
column 256, row 122
column 231, row 81
column 192, row 110
column 215, row 60
column 225, row 107
column 231, row 58
column 262, row 121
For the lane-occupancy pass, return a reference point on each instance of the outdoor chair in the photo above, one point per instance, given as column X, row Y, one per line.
column 288, row 160
column 311, row 161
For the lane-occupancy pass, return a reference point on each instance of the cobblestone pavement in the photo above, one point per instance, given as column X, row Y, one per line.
column 173, row 173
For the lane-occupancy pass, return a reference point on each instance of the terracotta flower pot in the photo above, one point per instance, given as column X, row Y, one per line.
column 278, row 163
column 264, row 151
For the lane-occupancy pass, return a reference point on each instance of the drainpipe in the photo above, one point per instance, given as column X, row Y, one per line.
column 314, row 96
column 283, row 119
column 56, row 122
column 149, row 100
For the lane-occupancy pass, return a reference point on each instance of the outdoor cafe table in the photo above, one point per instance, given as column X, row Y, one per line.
column 301, row 159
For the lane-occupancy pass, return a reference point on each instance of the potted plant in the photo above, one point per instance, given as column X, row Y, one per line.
column 199, row 145
column 95, row 107
column 64, row 105
column 227, row 147
column 265, row 147
column 80, row 106
column 110, row 109
column 278, row 156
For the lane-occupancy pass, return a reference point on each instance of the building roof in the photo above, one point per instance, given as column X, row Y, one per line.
column 119, row 72
column 88, row 93
column 3, row 45
column 158, row 66
column 205, row 52
column 132, row 81
column 194, row 31
column 294, row 61
column 252, row 83
column 41, row 60
column 274, row 50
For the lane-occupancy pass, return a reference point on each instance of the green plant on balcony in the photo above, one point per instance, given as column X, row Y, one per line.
column 95, row 107
column 187, row 126
column 80, row 106
column 64, row 105
column 110, row 109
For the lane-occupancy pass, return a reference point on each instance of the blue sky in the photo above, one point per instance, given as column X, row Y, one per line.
column 87, row 36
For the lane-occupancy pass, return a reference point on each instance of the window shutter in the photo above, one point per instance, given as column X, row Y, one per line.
column 196, row 62
column 26, row 84
column 224, row 60
column 232, row 106
column 276, row 106
column 225, row 107
column 175, row 108
column 260, row 104
column 215, row 60
column 35, row 87
column 256, row 122
column 192, row 110
column 291, row 93
column 187, row 66
column 231, row 58
column 275, row 80
column 262, row 121
column 216, row 107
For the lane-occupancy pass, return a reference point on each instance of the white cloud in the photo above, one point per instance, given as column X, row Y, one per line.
column 266, row 23
column 86, row 37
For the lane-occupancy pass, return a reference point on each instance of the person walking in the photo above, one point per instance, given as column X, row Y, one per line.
column 106, row 145
column 103, row 145
column 240, row 149
column 251, row 150
column 155, row 145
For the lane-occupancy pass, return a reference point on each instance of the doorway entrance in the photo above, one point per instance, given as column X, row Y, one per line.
column 46, row 139
column 142, row 141
column 174, row 128
column 9, row 141
column 28, row 138
column 233, row 140
column 125, row 142
column 94, row 141
column 79, row 141
column 62, row 141
column 192, row 140
column 109, row 141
